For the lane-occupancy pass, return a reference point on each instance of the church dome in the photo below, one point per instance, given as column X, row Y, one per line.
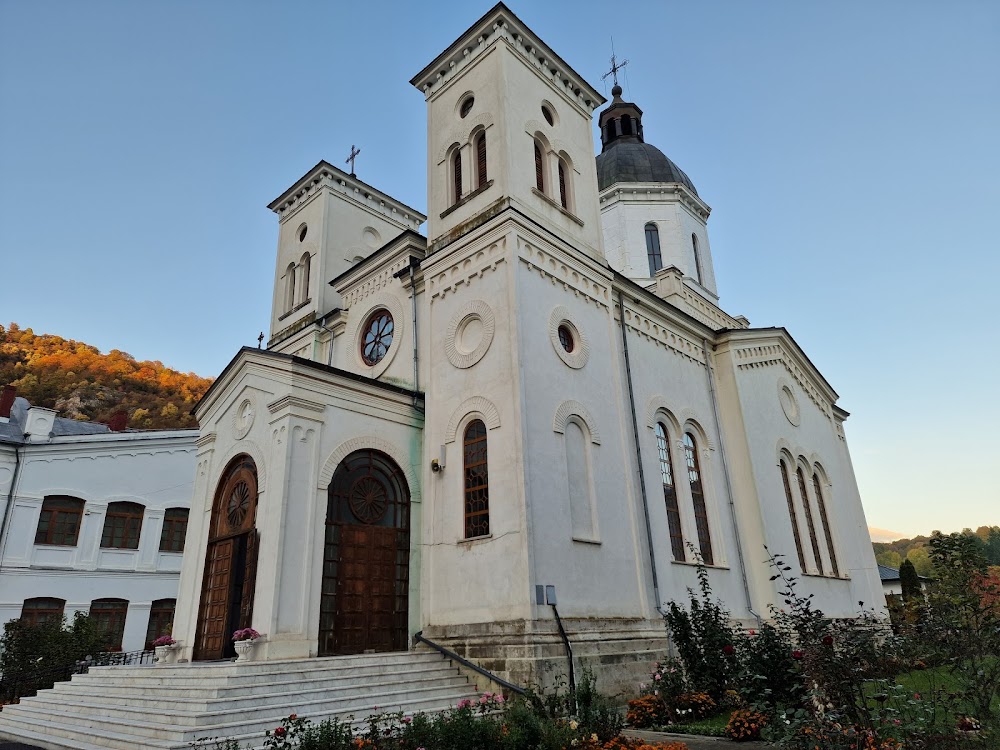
column 625, row 156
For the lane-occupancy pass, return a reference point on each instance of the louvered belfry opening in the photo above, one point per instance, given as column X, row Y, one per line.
column 457, row 163
column 481, row 159
column 539, row 171
column 364, row 602
column 563, row 198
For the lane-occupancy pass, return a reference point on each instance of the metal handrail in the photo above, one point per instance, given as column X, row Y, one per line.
column 419, row 638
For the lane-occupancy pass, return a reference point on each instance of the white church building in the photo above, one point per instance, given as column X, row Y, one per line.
column 543, row 391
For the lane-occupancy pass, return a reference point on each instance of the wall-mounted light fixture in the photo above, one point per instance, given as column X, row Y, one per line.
column 438, row 464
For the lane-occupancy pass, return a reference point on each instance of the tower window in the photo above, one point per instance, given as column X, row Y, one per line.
column 477, row 485
column 697, row 258
column 669, row 493
column 466, row 106
column 826, row 525
column 290, row 287
column 793, row 515
column 377, row 337
column 813, row 541
column 481, row 159
column 653, row 248
column 539, row 169
column 457, row 175
column 302, row 233
column 626, row 125
column 566, row 338
column 698, row 499
column 563, row 195
column 547, row 114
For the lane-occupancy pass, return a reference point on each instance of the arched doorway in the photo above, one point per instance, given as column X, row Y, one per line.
column 366, row 557
column 230, row 562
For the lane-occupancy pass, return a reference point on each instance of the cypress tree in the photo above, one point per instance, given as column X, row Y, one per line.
column 909, row 581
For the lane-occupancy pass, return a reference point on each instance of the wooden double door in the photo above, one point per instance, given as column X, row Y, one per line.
column 230, row 563
column 364, row 602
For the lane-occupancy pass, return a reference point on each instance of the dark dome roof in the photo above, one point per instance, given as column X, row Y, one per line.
column 629, row 160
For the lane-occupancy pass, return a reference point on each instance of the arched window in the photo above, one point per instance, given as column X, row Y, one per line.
column 580, row 485
column 477, row 485
column 175, row 522
column 456, row 168
column 669, row 493
column 817, row 556
column 290, row 287
column 42, row 609
column 826, row 525
column 59, row 522
column 698, row 499
column 792, row 515
column 626, row 125
column 610, row 128
column 305, row 265
column 653, row 248
column 161, row 620
column 122, row 525
column 697, row 258
column 481, row 160
column 109, row 620
column 563, row 192
column 539, row 169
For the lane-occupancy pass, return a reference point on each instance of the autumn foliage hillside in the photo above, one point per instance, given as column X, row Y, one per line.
column 81, row 383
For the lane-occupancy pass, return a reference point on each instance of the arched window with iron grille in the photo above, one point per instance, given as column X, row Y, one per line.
column 669, row 493
column 698, row 499
column 477, row 483
column 792, row 514
column 539, row 169
column 813, row 540
column 456, row 166
column 563, row 190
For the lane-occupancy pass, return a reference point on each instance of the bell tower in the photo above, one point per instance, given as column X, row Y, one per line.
column 509, row 124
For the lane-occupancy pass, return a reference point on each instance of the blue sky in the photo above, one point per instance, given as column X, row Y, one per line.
column 849, row 151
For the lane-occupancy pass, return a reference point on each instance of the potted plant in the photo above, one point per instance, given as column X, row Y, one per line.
column 245, row 638
column 166, row 649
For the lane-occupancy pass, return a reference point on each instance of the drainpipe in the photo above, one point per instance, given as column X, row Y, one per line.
column 329, row 358
column 638, row 457
column 411, row 267
column 710, row 375
column 10, row 501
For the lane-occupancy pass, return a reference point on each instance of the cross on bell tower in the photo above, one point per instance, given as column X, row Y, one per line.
column 350, row 159
column 615, row 67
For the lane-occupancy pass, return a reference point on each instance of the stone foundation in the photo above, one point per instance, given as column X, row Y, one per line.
column 620, row 652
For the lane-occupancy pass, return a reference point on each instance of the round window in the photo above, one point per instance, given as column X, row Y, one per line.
column 566, row 338
column 547, row 114
column 377, row 338
column 467, row 106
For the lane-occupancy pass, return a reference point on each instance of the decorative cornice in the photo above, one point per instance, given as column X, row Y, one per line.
column 660, row 334
column 557, row 270
column 475, row 405
column 291, row 402
column 569, row 409
column 501, row 25
column 653, row 192
column 369, row 442
column 473, row 264
column 325, row 175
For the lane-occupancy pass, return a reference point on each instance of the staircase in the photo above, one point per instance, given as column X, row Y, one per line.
column 168, row 707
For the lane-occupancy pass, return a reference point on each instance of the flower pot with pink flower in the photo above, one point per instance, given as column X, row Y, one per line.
column 244, row 641
column 165, row 650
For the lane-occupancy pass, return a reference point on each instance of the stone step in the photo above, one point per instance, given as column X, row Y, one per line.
column 152, row 678
column 58, row 729
column 200, row 714
column 273, row 666
column 200, row 693
column 169, row 707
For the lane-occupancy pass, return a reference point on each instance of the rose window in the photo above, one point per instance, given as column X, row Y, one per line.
column 368, row 500
column 238, row 506
column 377, row 337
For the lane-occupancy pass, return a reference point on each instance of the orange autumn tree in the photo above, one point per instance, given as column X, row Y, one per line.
column 82, row 383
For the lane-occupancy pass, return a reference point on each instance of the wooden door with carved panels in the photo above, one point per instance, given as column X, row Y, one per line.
column 366, row 557
column 230, row 563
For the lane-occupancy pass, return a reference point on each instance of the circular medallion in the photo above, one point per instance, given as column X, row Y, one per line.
column 789, row 404
column 569, row 343
column 368, row 500
column 469, row 334
column 238, row 505
column 243, row 418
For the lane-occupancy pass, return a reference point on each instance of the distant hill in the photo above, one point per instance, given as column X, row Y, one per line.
column 81, row 383
column 917, row 552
